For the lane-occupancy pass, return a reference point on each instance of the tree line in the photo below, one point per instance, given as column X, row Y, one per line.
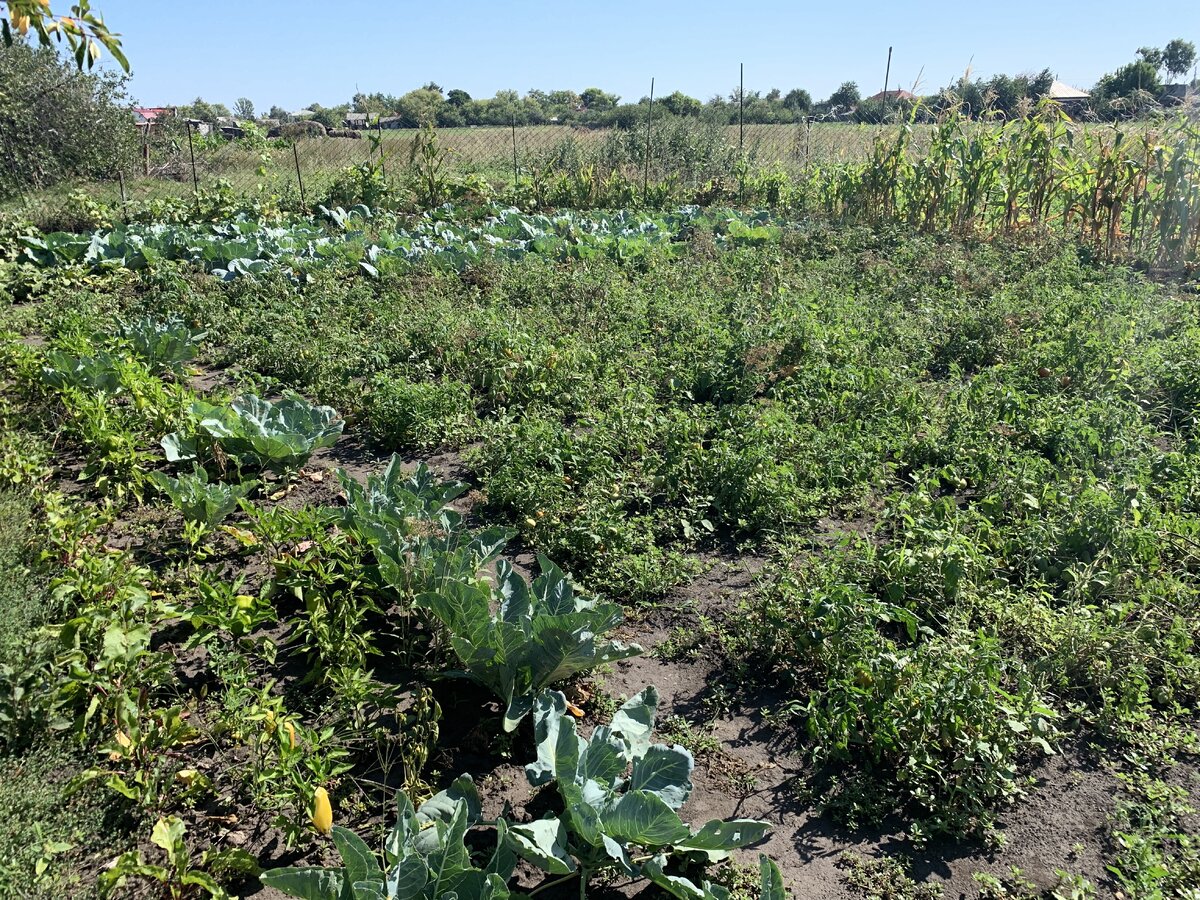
column 1131, row 89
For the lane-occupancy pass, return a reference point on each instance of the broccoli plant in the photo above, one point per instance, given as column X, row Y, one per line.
column 541, row 633
column 255, row 433
column 621, row 795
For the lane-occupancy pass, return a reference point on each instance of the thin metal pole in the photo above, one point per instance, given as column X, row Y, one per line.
column 299, row 178
column 195, row 180
column 516, row 169
column 124, row 198
column 382, row 163
column 741, row 106
column 649, row 122
column 887, row 74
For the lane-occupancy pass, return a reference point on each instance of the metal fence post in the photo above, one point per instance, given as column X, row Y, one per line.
column 649, row 123
column 124, row 197
column 299, row 178
column 741, row 107
column 382, row 164
column 516, row 169
column 195, row 180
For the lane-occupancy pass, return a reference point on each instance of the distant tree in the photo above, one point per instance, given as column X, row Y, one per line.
column 564, row 100
column 1131, row 78
column 1178, row 56
column 798, row 99
column 243, row 109
column 432, row 86
column 203, row 111
column 1151, row 55
column 774, row 94
column 330, row 116
column 680, row 104
column 845, row 97
column 597, row 100
column 279, row 114
column 458, row 98
column 419, row 107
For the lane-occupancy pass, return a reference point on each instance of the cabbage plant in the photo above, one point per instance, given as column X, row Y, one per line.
column 621, row 795
column 199, row 499
column 165, row 346
column 254, row 433
column 541, row 633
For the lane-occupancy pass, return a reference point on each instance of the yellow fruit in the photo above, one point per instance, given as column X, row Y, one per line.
column 322, row 817
column 532, row 523
column 291, row 733
column 243, row 601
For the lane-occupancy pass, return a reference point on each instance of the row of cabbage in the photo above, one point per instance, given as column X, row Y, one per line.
column 378, row 244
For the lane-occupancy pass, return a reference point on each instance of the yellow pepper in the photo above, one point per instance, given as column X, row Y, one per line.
column 322, row 817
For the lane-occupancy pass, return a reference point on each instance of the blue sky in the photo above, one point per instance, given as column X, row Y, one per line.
column 298, row 52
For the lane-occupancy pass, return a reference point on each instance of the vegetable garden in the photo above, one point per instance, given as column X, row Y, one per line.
column 698, row 552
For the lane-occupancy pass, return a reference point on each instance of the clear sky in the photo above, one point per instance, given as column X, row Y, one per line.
column 300, row 52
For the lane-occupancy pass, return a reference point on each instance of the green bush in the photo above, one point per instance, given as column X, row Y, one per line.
column 404, row 414
column 57, row 123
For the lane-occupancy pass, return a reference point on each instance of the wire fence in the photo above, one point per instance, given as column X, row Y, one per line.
column 305, row 162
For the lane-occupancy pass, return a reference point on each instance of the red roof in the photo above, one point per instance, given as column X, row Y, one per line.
column 151, row 114
column 894, row 95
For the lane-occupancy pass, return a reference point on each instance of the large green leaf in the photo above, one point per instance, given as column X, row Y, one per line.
column 543, row 843
column 771, row 880
column 642, row 818
column 308, row 883
column 635, row 720
column 664, row 771
column 717, row 838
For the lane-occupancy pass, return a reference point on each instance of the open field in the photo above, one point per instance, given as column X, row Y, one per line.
column 905, row 527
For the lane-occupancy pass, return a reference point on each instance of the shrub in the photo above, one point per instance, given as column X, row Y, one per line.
column 404, row 413
column 57, row 123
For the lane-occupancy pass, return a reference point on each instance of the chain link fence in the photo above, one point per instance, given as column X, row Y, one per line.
column 304, row 164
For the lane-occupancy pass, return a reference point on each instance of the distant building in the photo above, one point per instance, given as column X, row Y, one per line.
column 152, row 118
column 392, row 122
column 357, row 120
column 1071, row 99
column 1175, row 94
column 894, row 96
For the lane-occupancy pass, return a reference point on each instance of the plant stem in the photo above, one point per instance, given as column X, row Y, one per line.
column 554, row 883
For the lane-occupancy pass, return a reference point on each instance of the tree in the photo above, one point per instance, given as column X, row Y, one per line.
column 203, row 111
column 58, row 123
column 1178, row 56
column 845, row 97
column 83, row 30
column 243, row 109
column 419, row 107
column 1131, row 78
column 773, row 95
column 680, row 104
column 279, row 114
column 458, row 98
column 597, row 100
column 798, row 99
column 1151, row 55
